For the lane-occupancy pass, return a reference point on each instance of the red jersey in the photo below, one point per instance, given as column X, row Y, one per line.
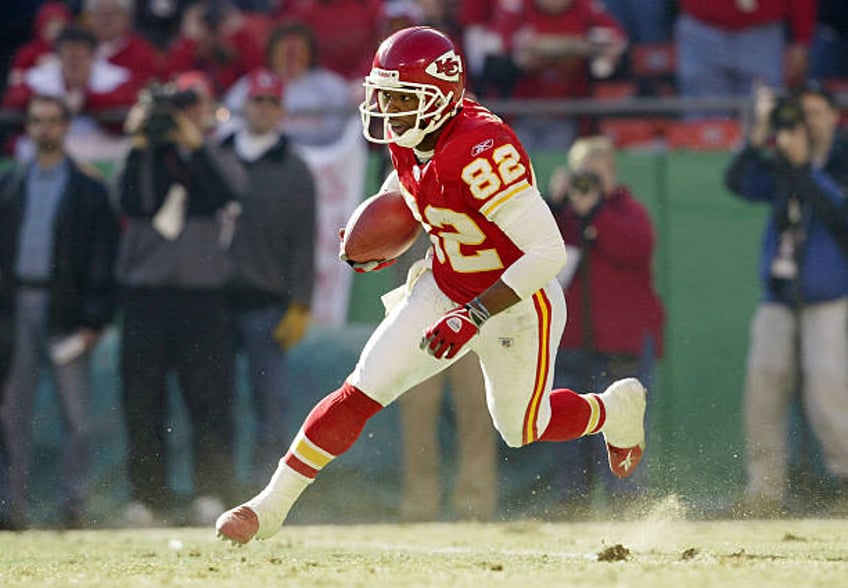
column 570, row 76
column 476, row 12
column 30, row 55
column 33, row 52
column 136, row 54
column 478, row 165
column 245, row 53
column 347, row 31
column 735, row 15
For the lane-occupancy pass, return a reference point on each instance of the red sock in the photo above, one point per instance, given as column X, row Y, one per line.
column 573, row 415
column 330, row 429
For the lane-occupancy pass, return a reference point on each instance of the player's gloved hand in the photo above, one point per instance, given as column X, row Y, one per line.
column 367, row 266
column 362, row 266
column 451, row 332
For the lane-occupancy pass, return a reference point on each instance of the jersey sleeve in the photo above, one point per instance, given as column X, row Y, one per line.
column 488, row 168
column 531, row 226
column 497, row 180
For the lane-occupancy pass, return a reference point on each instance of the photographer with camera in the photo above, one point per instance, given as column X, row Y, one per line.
column 615, row 317
column 178, row 192
column 796, row 162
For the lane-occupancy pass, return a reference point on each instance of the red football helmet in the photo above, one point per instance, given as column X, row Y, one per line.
column 421, row 61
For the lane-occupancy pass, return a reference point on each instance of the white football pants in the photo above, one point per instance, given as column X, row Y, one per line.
column 517, row 349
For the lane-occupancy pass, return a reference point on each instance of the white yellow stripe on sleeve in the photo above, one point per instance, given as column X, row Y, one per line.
column 490, row 209
column 526, row 219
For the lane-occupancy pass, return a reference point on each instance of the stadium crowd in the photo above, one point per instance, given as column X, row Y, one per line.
column 99, row 53
column 298, row 64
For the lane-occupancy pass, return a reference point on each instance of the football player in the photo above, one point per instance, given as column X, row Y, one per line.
column 487, row 285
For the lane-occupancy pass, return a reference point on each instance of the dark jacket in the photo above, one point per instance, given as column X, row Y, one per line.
column 273, row 249
column 613, row 287
column 759, row 175
column 82, row 286
column 197, row 258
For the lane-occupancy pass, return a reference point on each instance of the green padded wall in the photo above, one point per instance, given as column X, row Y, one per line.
column 705, row 265
column 705, row 270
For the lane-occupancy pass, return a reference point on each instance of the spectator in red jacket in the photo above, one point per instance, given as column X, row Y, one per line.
column 724, row 46
column 86, row 83
column 615, row 317
column 347, row 31
column 91, row 88
column 111, row 21
column 50, row 19
column 553, row 43
column 214, row 39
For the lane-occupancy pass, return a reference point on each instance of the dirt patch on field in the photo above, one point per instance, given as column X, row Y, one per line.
column 617, row 552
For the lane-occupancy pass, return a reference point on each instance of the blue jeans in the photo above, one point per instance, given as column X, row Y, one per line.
column 716, row 62
column 829, row 54
column 584, row 461
column 542, row 132
column 646, row 21
column 266, row 366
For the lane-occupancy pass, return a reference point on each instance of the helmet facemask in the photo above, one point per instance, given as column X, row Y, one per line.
column 430, row 114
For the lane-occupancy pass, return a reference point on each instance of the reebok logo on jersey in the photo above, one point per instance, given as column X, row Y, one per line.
column 482, row 146
column 446, row 66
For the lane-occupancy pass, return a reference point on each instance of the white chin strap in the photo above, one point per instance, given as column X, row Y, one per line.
column 411, row 138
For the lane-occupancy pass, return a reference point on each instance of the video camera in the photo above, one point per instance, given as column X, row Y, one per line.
column 583, row 182
column 787, row 114
column 162, row 102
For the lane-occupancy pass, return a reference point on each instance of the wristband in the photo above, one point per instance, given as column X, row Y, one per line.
column 477, row 312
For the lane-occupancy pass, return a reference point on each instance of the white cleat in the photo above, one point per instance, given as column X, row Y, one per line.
column 624, row 429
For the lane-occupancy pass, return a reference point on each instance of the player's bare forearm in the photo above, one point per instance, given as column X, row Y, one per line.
column 498, row 297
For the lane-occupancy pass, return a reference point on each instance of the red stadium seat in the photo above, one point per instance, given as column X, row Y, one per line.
column 633, row 132
column 836, row 86
column 652, row 60
column 614, row 90
column 652, row 66
column 704, row 135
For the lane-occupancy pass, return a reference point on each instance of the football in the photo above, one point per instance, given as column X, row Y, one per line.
column 382, row 227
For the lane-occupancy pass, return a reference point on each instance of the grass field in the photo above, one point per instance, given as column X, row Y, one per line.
column 662, row 550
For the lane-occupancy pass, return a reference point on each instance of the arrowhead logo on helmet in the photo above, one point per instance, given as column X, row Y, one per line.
column 447, row 66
